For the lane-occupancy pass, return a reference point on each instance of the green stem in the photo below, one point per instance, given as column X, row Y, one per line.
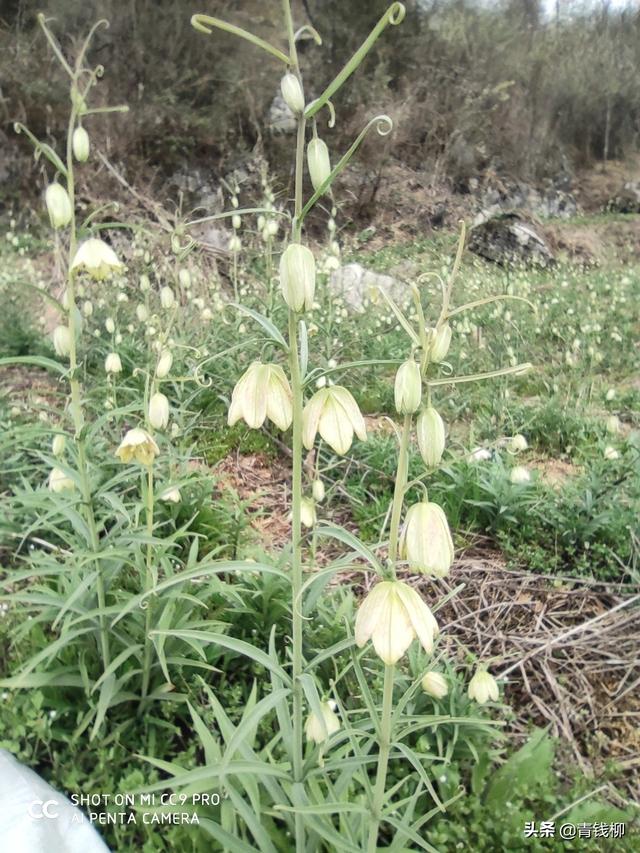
column 296, row 569
column 399, row 490
column 76, row 402
column 149, row 583
column 296, row 486
column 383, row 759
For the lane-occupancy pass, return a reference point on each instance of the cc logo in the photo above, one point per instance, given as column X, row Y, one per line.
column 40, row 809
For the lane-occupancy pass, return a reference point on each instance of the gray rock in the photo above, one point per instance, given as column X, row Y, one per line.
column 627, row 200
column 550, row 202
column 360, row 287
column 507, row 239
column 280, row 119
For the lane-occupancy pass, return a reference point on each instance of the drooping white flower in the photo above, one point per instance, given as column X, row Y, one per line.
column 408, row 388
column 318, row 730
column 520, row 475
column 318, row 161
column 392, row 615
column 137, row 445
column 112, row 363
column 80, row 144
column 483, row 687
column 62, row 340
column 292, row 93
column 431, row 436
column 440, row 343
column 298, row 277
column 333, row 413
column 425, row 541
column 58, row 205
column 59, row 481
column 158, row 413
column 96, row 258
column 262, row 392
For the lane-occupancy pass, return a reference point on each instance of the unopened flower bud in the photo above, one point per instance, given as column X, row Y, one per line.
column 62, row 340
column 58, row 205
column 167, row 298
column 142, row 313
column 308, row 516
column 613, row 424
column 144, row 283
column 318, row 162
column 112, row 363
column 184, row 278
column 59, row 482
column 158, row 411
column 292, row 93
column 408, row 388
column 434, row 684
column 80, row 144
column 57, row 445
column 87, row 308
column 425, row 541
column 236, row 221
column 440, row 343
column 317, row 490
column 430, row 433
column 298, row 277
column 164, row 364
column 110, row 325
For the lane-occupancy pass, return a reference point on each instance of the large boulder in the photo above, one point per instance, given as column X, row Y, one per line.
column 360, row 287
column 507, row 239
column 627, row 199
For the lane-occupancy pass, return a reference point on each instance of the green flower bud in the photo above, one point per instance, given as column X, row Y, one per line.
column 158, row 411
column 408, row 388
column 58, row 444
column 440, row 343
column 58, row 205
column 434, row 684
column 164, row 364
column 430, row 433
column 298, row 277
column 80, row 144
column 292, row 93
column 62, row 340
column 318, row 162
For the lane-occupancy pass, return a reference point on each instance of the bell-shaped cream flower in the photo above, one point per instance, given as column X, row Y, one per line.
column 318, row 162
column 610, row 453
column 425, row 541
column 292, row 93
column 319, row 730
column 96, row 258
column 158, row 411
column 408, row 388
column 112, row 363
column 519, row 475
column 440, row 343
column 62, row 340
column 298, row 277
column 518, row 443
column 58, row 205
column 137, row 445
column 334, row 414
column 262, row 392
column 430, row 433
column 59, row 482
column 171, row 495
column 317, row 490
column 483, row 687
column 434, row 684
column 392, row 616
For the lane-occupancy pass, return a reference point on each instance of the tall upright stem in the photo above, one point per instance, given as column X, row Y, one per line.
column 149, row 581
column 398, row 492
column 296, row 486
column 76, row 401
column 383, row 759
